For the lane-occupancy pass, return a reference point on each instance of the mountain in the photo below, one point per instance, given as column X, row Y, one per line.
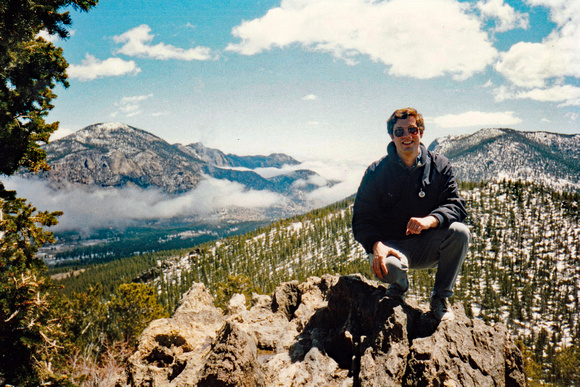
column 118, row 155
column 541, row 157
column 521, row 269
column 219, row 159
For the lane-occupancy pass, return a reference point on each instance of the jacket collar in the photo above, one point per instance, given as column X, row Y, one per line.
column 424, row 160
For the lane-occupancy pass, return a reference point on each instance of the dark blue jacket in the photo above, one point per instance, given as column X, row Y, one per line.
column 390, row 194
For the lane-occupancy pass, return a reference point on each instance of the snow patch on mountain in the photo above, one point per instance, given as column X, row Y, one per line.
column 491, row 154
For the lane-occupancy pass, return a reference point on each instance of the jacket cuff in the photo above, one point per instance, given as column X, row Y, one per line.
column 439, row 218
column 370, row 243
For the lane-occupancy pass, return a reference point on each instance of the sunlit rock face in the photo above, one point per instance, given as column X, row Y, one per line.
column 118, row 155
column 331, row 331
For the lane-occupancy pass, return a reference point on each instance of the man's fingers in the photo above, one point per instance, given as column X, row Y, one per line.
column 383, row 267
column 396, row 253
column 379, row 267
column 414, row 227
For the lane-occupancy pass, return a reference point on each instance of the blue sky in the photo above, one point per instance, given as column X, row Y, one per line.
column 317, row 78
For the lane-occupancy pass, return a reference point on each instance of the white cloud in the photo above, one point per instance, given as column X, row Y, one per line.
column 137, row 43
column 86, row 209
column 130, row 106
column 309, row 97
column 60, row 133
column 52, row 38
column 415, row 38
column 567, row 95
column 474, row 118
column 532, row 65
column 348, row 174
column 93, row 68
column 506, row 17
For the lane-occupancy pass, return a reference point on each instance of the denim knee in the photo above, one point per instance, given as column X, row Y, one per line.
column 460, row 233
column 396, row 270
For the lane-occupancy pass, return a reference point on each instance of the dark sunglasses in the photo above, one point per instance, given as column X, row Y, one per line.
column 400, row 132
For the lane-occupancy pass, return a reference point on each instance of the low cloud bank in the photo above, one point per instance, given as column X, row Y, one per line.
column 86, row 210
column 89, row 209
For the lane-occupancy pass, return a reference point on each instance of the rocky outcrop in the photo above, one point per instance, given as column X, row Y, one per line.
column 329, row 331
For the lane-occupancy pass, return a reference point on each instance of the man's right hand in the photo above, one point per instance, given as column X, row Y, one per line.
column 380, row 254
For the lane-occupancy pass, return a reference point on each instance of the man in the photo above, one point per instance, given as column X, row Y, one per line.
column 408, row 213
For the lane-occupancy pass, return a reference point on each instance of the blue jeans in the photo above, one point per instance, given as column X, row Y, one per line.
column 443, row 248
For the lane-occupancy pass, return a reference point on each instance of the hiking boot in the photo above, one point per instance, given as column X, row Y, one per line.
column 395, row 292
column 441, row 309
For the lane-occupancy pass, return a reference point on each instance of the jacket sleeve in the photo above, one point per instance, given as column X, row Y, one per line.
column 452, row 205
column 366, row 205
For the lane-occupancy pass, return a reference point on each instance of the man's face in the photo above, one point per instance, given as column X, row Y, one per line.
column 407, row 143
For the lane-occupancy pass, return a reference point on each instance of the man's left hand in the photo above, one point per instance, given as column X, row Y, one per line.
column 416, row 225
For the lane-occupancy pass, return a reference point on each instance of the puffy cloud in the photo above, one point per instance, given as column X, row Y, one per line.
column 136, row 42
column 568, row 95
column 474, row 118
column 309, row 97
column 130, row 106
column 506, row 17
column 532, row 65
column 415, row 38
column 93, row 68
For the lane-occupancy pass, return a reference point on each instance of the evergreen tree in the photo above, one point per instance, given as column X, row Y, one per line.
column 30, row 68
column 131, row 310
column 28, row 334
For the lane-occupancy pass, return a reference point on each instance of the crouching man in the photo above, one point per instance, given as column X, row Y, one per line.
column 408, row 214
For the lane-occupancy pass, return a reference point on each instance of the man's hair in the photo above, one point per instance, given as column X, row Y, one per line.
column 403, row 114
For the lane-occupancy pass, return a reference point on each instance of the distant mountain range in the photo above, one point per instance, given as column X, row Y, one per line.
column 118, row 155
column 549, row 158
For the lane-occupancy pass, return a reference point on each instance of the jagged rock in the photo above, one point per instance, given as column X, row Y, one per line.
column 331, row 331
column 232, row 360
column 171, row 350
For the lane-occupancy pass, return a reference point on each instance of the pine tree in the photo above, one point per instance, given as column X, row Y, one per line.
column 30, row 68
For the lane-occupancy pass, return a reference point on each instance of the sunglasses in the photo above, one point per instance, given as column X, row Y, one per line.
column 400, row 132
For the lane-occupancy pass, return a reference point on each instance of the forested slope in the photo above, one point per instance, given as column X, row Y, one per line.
column 522, row 269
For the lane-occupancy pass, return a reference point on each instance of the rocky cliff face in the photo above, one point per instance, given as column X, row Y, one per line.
column 117, row 155
column 331, row 331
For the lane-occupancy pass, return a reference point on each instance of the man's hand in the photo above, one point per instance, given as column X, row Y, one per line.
column 416, row 225
column 380, row 254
